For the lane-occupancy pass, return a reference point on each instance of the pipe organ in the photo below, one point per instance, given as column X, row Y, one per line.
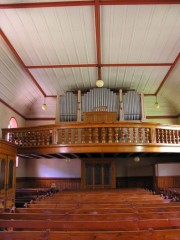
column 132, row 106
column 127, row 105
column 68, row 107
column 100, row 98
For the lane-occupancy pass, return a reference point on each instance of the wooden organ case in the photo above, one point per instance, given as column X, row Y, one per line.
column 7, row 174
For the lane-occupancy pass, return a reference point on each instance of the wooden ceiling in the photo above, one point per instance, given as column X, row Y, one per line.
column 49, row 47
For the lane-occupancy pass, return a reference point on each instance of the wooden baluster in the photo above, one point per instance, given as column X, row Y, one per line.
column 170, row 136
column 63, row 138
column 116, row 134
column 134, row 135
column 122, row 135
column 158, row 135
column 147, row 135
column 76, row 135
column 162, row 136
column 90, row 135
column 22, row 139
column 47, row 137
column 128, row 135
column 25, row 139
column 103, row 135
column 110, row 133
column 173, row 137
column 39, row 139
column 83, row 135
column 166, row 136
column 140, row 135
column 176, row 137
column 42, row 138
column 35, row 138
column 30, row 139
column 69, row 136
column 16, row 138
column 96, row 135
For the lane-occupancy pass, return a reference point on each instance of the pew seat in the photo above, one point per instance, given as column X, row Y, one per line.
column 150, row 234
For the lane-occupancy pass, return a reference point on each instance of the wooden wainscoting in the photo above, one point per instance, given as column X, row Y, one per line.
column 164, row 182
column 135, row 182
column 75, row 183
column 61, row 183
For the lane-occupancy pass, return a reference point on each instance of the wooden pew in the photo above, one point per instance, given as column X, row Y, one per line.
column 33, row 191
column 121, row 225
column 28, row 195
column 168, row 234
column 90, row 217
column 106, row 215
column 98, row 210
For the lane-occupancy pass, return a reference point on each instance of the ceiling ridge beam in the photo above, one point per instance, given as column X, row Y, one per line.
column 18, row 58
column 98, row 37
column 167, row 74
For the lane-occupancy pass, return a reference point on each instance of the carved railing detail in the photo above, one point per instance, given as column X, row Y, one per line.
column 94, row 133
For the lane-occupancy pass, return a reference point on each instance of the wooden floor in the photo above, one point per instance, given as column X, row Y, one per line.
column 95, row 215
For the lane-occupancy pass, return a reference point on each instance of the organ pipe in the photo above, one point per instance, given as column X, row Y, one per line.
column 128, row 106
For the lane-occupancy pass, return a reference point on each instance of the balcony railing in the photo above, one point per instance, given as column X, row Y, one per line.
column 94, row 133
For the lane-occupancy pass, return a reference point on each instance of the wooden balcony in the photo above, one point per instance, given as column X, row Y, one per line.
column 80, row 137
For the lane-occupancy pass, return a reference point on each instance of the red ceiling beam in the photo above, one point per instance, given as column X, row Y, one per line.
column 138, row 2
column 135, row 64
column 85, row 3
column 14, row 110
column 98, row 37
column 20, row 61
column 162, row 117
column 63, row 66
column 47, row 4
column 102, row 65
column 168, row 73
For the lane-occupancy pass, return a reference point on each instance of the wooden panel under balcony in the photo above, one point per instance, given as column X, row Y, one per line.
column 79, row 138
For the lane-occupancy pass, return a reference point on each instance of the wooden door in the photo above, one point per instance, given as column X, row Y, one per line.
column 98, row 174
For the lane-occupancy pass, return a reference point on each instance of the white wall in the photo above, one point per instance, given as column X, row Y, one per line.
column 31, row 123
column 59, row 168
column 166, row 109
column 168, row 169
column 173, row 121
column 22, row 168
column 55, row 168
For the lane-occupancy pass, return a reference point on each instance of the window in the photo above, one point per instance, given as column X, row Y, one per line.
column 13, row 124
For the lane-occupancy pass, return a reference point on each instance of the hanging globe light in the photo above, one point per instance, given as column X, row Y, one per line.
column 99, row 83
